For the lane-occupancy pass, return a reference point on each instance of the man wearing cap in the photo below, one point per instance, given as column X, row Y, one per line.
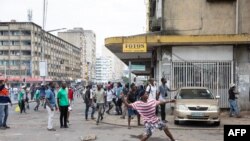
column 146, row 108
column 4, row 101
column 232, row 99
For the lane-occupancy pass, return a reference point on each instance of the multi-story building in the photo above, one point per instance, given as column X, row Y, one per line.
column 86, row 40
column 103, row 70
column 21, row 45
column 90, row 53
column 77, row 38
column 117, row 66
column 194, row 43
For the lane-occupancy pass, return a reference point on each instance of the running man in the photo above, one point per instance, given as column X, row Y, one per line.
column 146, row 108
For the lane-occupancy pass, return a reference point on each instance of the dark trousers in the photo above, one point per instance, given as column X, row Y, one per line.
column 21, row 105
column 87, row 110
column 37, row 104
column 119, row 106
column 6, row 113
column 63, row 116
column 110, row 106
column 163, row 112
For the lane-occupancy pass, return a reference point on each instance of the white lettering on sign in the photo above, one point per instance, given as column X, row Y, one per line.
column 236, row 132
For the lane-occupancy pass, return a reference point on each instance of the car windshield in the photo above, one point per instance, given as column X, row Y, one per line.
column 195, row 94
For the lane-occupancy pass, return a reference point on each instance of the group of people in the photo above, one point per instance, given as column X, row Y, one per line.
column 131, row 100
column 52, row 99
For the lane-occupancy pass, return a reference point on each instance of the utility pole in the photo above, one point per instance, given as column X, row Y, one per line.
column 5, row 70
column 42, row 38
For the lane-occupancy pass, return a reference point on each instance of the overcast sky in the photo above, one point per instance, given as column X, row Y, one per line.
column 106, row 18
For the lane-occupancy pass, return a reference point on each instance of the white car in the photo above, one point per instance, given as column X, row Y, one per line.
column 196, row 104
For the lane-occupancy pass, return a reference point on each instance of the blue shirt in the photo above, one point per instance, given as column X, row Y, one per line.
column 118, row 91
column 50, row 95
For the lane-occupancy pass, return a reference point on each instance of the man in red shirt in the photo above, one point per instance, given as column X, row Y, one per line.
column 71, row 98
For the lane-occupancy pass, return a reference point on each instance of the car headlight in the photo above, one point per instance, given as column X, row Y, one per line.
column 181, row 107
column 213, row 108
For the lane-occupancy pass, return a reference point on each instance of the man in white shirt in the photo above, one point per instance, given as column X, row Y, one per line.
column 151, row 89
column 109, row 97
column 152, row 92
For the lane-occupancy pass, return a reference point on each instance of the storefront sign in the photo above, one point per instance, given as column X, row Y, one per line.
column 134, row 47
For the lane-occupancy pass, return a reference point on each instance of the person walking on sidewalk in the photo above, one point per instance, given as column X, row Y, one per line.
column 109, row 99
column 89, row 101
column 162, row 95
column 118, row 99
column 63, row 103
column 124, row 108
column 4, row 108
column 146, row 108
column 50, row 105
column 100, row 99
column 71, row 99
column 234, row 109
column 131, row 99
column 151, row 90
column 37, row 98
column 21, row 99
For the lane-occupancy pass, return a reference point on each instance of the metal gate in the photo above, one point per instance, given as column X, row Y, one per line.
column 216, row 76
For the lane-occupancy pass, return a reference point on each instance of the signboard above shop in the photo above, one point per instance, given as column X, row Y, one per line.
column 134, row 47
column 138, row 67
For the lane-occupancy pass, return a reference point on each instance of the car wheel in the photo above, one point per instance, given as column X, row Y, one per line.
column 217, row 123
column 176, row 122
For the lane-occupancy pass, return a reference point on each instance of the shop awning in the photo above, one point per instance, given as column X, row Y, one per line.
column 115, row 44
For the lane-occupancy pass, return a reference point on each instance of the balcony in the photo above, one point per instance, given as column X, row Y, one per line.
column 20, row 48
column 22, row 57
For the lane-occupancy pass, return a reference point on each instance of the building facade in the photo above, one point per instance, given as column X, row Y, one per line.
column 195, row 43
column 117, row 66
column 103, row 70
column 90, row 53
column 21, row 51
column 213, row 66
column 86, row 41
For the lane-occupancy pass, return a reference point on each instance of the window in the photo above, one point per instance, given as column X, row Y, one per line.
column 5, row 33
column 26, row 52
column 15, row 33
column 26, row 43
column 26, row 33
column 15, row 43
column 6, row 43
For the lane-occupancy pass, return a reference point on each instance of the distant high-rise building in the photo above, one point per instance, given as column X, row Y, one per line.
column 103, row 69
column 117, row 66
column 86, row 40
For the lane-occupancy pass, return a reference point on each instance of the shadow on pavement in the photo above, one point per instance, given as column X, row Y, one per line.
column 200, row 124
column 150, row 139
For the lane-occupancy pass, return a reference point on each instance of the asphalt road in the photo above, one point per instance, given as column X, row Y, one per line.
column 33, row 127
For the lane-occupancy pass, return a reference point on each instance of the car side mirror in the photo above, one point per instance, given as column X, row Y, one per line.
column 217, row 97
